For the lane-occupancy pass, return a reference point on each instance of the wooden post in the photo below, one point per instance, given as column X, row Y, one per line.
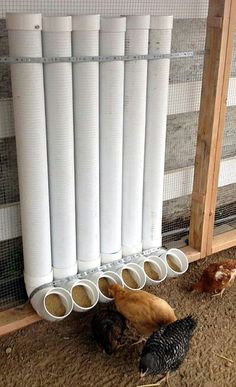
column 217, row 64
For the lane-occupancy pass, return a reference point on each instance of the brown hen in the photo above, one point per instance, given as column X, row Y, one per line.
column 146, row 312
column 217, row 277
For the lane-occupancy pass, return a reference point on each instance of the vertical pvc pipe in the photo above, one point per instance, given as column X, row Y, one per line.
column 136, row 42
column 86, row 122
column 59, row 113
column 157, row 100
column 24, row 31
column 112, row 39
column 30, row 129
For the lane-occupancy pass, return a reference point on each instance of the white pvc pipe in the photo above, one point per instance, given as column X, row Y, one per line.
column 85, row 38
column 134, row 133
column 157, row 101
column 59, row 113
column 112, row 39
column 24, row 31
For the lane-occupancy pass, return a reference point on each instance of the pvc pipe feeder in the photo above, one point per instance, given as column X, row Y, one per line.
column 85, row 41
column 24, row 31
column 60, row 136
column 112, row 39
column 157, row 104
column 136, row 41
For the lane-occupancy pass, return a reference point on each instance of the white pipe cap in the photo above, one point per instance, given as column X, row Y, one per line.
column 161, row 22
column 88, row 265
column 24, row 21
column 113, row 24
column 57, row 23
column 110, row 257
column 148, row 244
column 63, row 272
column 86, row 23
column 130, row 250
column 138, row 22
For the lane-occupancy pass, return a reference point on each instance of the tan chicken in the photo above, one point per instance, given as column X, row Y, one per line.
column 217, row 277
column 146, row 312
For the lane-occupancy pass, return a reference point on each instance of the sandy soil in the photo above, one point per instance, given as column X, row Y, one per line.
column 64, row 354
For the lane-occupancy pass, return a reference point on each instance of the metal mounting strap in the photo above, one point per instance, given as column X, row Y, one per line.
column 73, row 59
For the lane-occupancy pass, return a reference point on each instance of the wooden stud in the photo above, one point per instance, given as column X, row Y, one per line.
column 211, row 122
column 17, row 318
column 223, row 241
column 192, row 255
column 222, row 113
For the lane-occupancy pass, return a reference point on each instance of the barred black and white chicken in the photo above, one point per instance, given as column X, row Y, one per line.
column 166, row 349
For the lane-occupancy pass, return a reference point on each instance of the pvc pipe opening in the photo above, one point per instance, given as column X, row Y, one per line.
column 176, row 261
column 103, row 280
column 52, row 304
column 58, row 303
column 154, row 268
column 84, row 295
column 103, row 285
column 133, row 276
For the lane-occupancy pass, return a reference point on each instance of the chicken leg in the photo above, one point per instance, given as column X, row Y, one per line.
column 164, row 379
column 219, row 294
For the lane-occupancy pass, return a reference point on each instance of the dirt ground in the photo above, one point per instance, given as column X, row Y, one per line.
column 64, row 354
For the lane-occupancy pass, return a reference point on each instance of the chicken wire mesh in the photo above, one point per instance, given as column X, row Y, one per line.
column 225, row 217
column 189, row 31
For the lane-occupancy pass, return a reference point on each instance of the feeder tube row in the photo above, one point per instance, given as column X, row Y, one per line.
column 112, row 39
column 60, row 135
column 157, row 100
column 85, row 38
column 136, row 42
column 24, row 31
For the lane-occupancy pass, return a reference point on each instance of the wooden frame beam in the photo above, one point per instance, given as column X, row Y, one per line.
column 217, row 65
column 192, row 254
column 17, row 318
column 223, row 241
